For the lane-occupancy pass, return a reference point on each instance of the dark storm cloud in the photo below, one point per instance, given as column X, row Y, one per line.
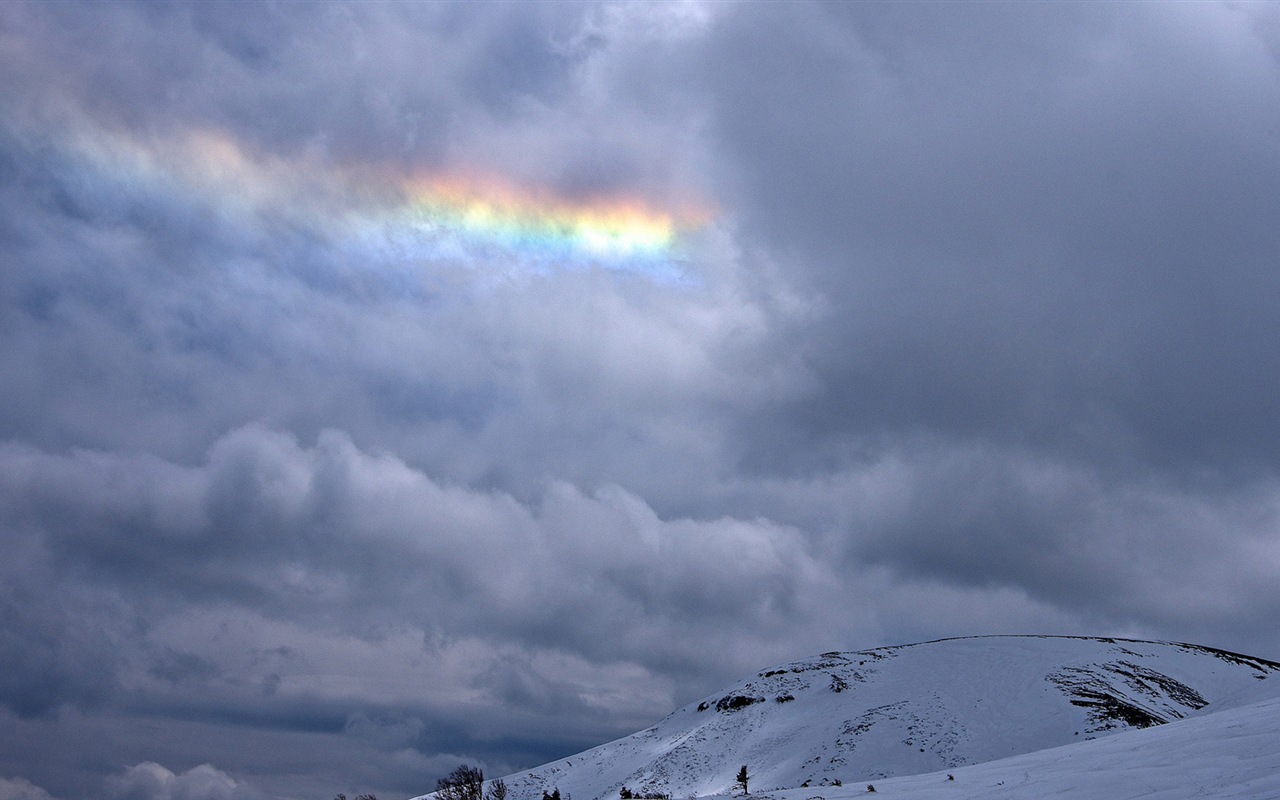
column 356, row 539
column 1047, row 225
column 979, row 337
column 54, row 650
column 251, row 574
column 982, row 516
column 1042, row 242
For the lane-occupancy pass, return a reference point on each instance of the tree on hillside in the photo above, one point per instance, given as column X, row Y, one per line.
column 742, row 778
column 464, row 783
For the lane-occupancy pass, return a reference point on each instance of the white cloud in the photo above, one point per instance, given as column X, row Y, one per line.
column 151, row 781
column 21, row 789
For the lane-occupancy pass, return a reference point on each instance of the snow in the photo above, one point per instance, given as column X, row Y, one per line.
column 1034, row 716
column 1232, row 754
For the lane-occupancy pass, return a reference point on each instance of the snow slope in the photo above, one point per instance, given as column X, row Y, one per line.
column 1228, row 755
column 860, row 717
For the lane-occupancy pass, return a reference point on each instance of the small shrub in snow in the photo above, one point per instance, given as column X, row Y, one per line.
column 464, row 783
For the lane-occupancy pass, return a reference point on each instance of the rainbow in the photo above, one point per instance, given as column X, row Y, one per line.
column 420, row 219
column 607, row 229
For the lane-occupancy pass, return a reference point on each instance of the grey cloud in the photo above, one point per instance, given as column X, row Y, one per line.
column 74, row 756
column 980, row 339
column 1127, row 550
column 335, row 555
column 385, row 730
column 176, row 667
column 267, row 523
column 1073, row 268
column 332, row 536
column 515, row 682
column 383, row 81
column 58, row 647
column 141, row 327
column 21, row 789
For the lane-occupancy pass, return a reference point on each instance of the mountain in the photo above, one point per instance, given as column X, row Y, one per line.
column 934, row 707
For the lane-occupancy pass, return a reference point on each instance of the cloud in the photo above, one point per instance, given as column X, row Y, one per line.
column 21, row 789
column 261, row 71
column 311, row 589
column 975, row 334
column 291, row 531
column 150, row 781
column 327, row 591
column 332, row 538
column 1040, row 238
column 58, row 646
column 1126, row 550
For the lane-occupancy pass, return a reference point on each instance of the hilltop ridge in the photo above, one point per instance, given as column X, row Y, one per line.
column 842, row 717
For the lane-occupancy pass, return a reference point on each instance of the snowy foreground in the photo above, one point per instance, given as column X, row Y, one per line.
column 1009, row 716
column 1233, row 754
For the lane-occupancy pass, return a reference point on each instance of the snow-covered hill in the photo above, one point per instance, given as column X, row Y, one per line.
column 858, row 717
column 1228, row 755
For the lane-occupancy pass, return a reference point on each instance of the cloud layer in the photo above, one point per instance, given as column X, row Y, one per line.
column 975, row 333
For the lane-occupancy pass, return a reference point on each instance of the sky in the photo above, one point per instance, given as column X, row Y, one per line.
column 388, row 386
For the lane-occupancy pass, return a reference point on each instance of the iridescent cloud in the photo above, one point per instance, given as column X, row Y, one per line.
column 422, row 218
